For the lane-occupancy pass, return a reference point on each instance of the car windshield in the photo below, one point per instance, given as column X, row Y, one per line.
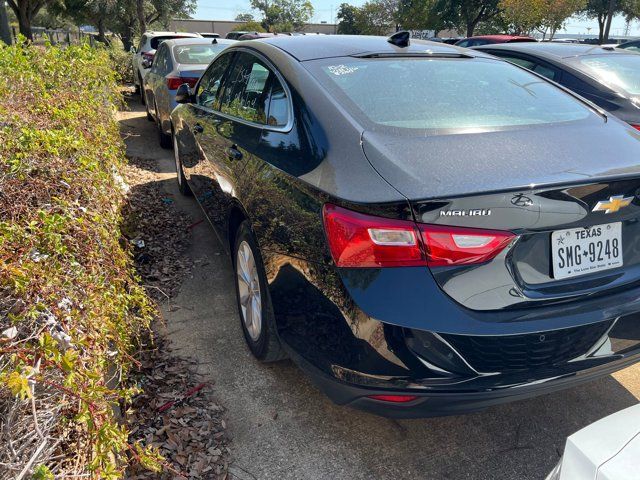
column 445, row 93
column 155, row 41
column 619, row 72
column 195, row 54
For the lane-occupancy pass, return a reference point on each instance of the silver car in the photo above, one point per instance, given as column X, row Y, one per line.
column 176, row 62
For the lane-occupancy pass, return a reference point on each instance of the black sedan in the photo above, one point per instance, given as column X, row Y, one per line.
column 607, row 76
column 424, row 229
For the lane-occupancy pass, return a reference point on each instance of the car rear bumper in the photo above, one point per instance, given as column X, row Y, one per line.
column 384, row 334
column 436, row 402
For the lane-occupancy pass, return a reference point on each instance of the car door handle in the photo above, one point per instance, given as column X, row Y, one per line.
column 197, row 128
column 234, row 153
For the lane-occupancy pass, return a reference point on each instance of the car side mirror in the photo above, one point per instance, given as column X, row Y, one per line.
column 183, row 94
column 146, row 63
column 133, row 49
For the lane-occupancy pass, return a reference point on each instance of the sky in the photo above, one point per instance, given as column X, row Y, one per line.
column 325, row 10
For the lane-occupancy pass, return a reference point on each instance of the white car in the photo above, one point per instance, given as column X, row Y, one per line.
column 608, row 449
column 143, row 55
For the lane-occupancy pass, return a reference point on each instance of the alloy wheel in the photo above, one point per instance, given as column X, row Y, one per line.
column 249, row 290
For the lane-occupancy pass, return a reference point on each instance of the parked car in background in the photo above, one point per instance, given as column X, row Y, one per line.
column 209, row 35
column 237, row 34
column 491, row 39
column 633, row 46
column 608, row 449
column 608, row 77
column 402, row 283
column 564, row 40
column 143, row 55
column 176, row 62
column 258, row 35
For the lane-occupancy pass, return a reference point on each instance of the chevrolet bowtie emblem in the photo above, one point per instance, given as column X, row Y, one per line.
column 612, row 205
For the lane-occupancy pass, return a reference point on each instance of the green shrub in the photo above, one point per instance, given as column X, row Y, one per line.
column 121, row 62
column 71, row 308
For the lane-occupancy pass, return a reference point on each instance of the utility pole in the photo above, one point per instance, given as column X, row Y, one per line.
column 5, row 31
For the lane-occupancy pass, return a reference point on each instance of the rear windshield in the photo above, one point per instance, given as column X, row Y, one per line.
column 619, row 72
column 194, row 54
column 445, row 93
column 155, row 41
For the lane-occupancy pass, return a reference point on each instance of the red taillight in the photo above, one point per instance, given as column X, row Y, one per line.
column 394, row 398
column 357, row 240
column 637, row 127
column 462, row 246
column 174, row 82
column 148, row 55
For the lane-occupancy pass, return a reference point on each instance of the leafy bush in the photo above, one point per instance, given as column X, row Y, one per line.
column 121, row 62
column 71, row 308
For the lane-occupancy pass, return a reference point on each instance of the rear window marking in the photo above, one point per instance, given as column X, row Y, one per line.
column 341, row 69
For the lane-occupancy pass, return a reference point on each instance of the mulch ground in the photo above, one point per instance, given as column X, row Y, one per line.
column 176, row 410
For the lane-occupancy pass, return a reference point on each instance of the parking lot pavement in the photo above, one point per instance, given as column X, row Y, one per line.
column 283, row 428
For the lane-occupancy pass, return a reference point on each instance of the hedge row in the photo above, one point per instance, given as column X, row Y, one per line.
column 71, row 308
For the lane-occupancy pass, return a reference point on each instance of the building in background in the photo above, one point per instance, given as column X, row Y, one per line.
column 223, row 27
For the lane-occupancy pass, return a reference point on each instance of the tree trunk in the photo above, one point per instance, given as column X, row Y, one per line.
column 5, row 31
column 471, row 26
column 601, row 22
column 127, row 40
column 24, row 23
column 142, row 21
column 101, row 32
column 610, row 13
column 22, row 13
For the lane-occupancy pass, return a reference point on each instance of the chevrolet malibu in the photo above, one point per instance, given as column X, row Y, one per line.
column 425, row 230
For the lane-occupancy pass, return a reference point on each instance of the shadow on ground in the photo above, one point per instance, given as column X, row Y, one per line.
column 282, row 427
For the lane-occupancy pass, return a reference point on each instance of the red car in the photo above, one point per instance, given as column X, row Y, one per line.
column 489, row 39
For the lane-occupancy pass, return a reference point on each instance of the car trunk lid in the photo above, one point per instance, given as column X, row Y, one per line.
column 532, row 183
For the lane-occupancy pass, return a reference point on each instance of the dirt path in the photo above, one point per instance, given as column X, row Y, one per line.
column 283, row 428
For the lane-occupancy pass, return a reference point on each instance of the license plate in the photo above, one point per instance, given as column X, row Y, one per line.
column 579, row 251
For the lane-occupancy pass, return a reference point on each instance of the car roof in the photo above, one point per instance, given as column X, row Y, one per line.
column 501, row 37
column 312, row 47
column 555, row 51
column 199, row 41
column 163, row 34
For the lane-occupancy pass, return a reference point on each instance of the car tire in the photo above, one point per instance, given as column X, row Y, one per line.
column 142, row 99
column 254, row 302
column 163, row 138
column 183, row 186
column 146, row 107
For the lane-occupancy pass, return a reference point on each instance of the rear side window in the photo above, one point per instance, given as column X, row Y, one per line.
column 278, row 105
column 246, row 91
column 156, row 41
column 444, row 93
column 209, row 87
column 547, row 72
column 196, row 54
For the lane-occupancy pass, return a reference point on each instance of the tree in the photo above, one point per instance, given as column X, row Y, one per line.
column 25, row 11
column 603, row 11
column 282, row 15
column 375, row 18
column 466, row 14
column 523, row 15
column 252, row 26
column 244, row 17
column 347, row 18
column 88, row 12
column 557, row 12
column 418, row 15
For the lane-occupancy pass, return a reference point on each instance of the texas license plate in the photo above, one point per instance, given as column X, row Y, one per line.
column 579, row 251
